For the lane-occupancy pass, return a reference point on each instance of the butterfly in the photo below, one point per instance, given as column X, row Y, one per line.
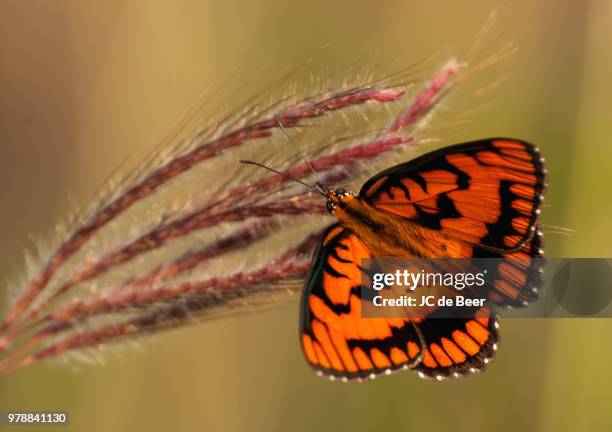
column 479, row 199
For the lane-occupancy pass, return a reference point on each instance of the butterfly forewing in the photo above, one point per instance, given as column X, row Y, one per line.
column 336, row 340
column 487, row 192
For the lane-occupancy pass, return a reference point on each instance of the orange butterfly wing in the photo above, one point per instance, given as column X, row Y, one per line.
column 518, row 277
column 456, row 346
column 487, row 193
column 335, row 339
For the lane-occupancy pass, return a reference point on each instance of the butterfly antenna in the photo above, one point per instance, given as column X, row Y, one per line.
column 319, row 183
column 316, row 187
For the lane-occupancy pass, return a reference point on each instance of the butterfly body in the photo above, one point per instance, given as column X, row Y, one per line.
column 388, row 234
column 474, row 200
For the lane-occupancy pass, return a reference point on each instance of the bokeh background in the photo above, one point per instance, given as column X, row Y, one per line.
column 82, row 83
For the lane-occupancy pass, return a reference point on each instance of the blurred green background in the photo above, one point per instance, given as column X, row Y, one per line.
column 83, row 83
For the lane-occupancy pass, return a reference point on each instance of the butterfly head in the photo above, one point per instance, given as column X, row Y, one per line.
column 338, row 198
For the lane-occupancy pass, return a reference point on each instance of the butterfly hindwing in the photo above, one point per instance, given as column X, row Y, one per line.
column 335, row 339
column 518, row 276
column 454, row 347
